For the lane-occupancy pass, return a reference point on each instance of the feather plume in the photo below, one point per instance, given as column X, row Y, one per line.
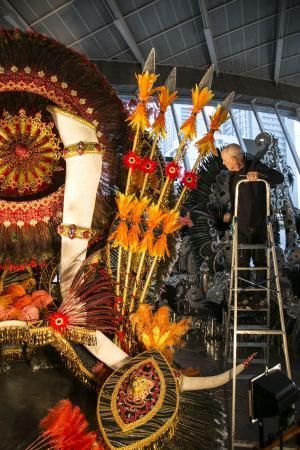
column 171, row 223
column 66, row 428
column 135, row 230
column 164, row 99
column 154, row 216
column 200, row 98
column 156, row 330
column 90, row 300
column 139, row 118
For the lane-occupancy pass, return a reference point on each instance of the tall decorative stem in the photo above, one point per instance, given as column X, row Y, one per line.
column 184, row 190
column 126, row 281
column 148, row 279
column 136, row 282
column 167, row 181
column 152, row 153
column 118, row 287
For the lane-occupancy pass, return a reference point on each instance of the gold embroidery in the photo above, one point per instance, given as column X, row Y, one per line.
column 156, row 407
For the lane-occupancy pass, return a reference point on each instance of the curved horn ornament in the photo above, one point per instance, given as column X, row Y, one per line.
column 200, row 383
column 83, row 157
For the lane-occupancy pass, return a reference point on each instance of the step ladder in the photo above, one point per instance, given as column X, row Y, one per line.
column 234, row 329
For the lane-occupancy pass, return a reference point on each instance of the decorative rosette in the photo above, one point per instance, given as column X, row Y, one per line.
column 172, row 170
column 29, row 153
column 190, row 180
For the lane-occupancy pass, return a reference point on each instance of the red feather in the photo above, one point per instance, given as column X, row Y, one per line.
column 90, row 302
column 66, row 427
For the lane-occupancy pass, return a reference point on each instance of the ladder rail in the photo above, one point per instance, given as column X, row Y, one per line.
column 234, row 290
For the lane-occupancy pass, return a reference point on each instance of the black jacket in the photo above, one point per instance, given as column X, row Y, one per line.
column 252, row 196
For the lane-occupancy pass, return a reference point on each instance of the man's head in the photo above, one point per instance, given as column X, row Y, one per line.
column 233, row 157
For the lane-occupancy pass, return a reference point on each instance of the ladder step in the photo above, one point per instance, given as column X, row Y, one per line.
column 260, row 331
column 249, row 309
column 251, row 268
column 244, row 444
column 249, row 289
column 249, row 344
column 252, row 246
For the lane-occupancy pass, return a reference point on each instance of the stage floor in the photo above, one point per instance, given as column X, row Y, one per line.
column 27, row 391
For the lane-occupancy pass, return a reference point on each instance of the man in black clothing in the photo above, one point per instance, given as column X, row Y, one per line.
column 252, row 205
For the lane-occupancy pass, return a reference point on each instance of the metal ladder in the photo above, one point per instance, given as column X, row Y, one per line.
column 236, row 330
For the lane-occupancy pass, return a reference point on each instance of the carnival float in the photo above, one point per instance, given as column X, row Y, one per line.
column 90, row 222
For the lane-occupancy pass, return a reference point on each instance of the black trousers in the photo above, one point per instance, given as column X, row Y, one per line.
column 252, row 235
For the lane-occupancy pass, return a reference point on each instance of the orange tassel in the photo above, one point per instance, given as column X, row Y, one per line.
column 206, row 144
column 147, row 241
column 139, row 118
column 200, row 98
column 188, row 128
column 165, row 99
column 161, row 247
column 120, row 235
column 134, row 237
column 171, row 223
column 159, row 126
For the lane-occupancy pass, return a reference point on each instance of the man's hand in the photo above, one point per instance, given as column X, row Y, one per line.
column 253, row 176
column 227, row 217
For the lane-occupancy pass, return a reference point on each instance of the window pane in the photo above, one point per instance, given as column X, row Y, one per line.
column 272, row 125
column 169, row 145
column 293, row 128
column 246, row 123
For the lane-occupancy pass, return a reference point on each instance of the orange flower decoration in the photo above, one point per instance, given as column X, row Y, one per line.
column 139, row 118
column 200, row 98
column 171, row 223
column 165, row 99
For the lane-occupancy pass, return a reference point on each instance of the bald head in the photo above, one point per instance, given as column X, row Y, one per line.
column 233, row 157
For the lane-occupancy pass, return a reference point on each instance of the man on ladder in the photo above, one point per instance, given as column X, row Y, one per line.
column 252, row 238
column 251, row 212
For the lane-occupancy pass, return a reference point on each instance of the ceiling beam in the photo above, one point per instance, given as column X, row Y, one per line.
column 208, row 34
column 280, row 36
column 173, row 27
column 13, row 17
column 49, row 14
column 122, row 76
column 124, row 30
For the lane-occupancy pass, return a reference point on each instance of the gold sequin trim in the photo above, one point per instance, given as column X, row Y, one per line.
column 52, row 108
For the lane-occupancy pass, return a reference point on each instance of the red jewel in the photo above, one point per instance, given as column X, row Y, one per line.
column 147, row 165
column 190, row 180
column 58, row 321
column 72, row 231
column 86, row 234
column 172, row 170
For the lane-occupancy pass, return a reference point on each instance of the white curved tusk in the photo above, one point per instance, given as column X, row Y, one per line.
column 199, row 383
column 83, row 174
column 108, row 352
